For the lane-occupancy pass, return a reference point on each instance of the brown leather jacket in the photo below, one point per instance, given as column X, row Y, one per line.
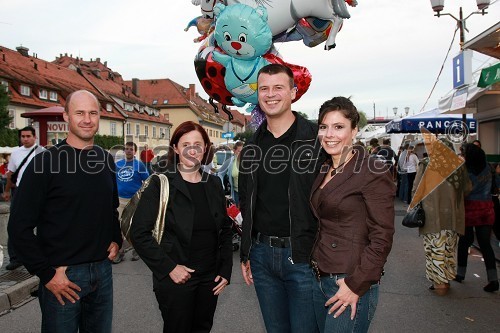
column 356, row 221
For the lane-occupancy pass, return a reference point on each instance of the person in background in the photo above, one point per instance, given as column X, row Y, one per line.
column 277, row 168
column 411, row 163
column 147, row 156
column 374, row 146
column 192, row 264
column 19, row 160
column 353, row 200
column 234, row 170
column 479, row 216
column 401, row 169
column 73, row 200
column 444, row 218
column 386, row 152
column 130, row 174
column 3, row 170
column 477, row 143
column 496, row 201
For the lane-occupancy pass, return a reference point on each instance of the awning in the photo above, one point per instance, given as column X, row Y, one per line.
column 431, row 120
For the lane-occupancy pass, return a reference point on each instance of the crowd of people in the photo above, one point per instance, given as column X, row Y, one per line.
column 318, row 218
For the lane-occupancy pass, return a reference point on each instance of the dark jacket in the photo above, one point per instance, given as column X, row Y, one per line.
column 304, row 168
column 356, row 214
column 175, row 244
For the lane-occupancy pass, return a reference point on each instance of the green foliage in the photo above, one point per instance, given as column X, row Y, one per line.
column 9, row 137
column 362, row 120
column 244, row 136
column 5, row 119
column 108, row 141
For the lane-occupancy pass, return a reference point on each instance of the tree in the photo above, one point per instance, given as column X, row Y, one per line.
column 244, row 136
column 362, row 120
column 303, row 114
column 5, row 119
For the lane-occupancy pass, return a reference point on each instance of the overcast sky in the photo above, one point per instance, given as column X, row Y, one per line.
column 388, row 53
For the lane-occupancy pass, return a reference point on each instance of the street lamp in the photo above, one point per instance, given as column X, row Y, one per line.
column 395, row 110
column 438, row 6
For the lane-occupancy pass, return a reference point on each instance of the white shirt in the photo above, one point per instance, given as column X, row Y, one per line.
column 18, row 156
column 412, row 163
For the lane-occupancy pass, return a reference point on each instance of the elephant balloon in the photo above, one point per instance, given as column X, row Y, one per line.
column 284, row 14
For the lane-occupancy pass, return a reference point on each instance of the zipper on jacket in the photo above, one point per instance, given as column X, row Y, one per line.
column 289, row 201
column 251, row 216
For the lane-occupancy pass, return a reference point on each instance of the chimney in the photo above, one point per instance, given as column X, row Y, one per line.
column 23, row 50
column 135, row 86
column 105, row 64
column 192, row 90
column 98, row 59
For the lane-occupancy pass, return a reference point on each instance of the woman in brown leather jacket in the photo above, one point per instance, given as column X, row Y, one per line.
column 353, row 199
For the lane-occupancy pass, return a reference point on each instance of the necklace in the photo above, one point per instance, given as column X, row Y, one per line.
column 341, row 165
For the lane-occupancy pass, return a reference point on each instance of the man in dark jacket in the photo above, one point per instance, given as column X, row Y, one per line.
column 277, row 169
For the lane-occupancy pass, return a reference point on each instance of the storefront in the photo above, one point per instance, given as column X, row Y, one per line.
column 50, row 125
column 482, row 96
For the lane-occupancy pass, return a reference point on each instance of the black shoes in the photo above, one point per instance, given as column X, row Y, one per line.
column 13, row 265
column 459, row 278
column 492, row 286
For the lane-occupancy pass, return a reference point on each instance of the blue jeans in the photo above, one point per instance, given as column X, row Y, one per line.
column 92, row 313
column 283, row 290
column 325, row 289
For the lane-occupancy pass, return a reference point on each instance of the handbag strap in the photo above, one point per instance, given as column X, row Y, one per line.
column 23, row 162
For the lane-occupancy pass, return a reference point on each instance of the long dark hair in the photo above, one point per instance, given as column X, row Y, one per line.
column 475, row 158
column 186, row 127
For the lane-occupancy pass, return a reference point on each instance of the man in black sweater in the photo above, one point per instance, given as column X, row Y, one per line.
column 73, row 199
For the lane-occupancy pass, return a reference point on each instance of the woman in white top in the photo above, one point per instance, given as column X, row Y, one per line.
column 411, row 164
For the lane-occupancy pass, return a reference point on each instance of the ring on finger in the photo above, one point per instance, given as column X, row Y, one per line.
column 345, row 305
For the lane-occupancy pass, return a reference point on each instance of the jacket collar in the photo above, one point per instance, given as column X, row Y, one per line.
column 305, row 129
column 352, row 167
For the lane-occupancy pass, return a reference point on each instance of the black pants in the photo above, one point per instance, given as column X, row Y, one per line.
column 411, row 179
column 483, row 234
column 188, row 307
column 10, row 247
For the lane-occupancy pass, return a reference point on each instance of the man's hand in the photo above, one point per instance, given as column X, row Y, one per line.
column 220, row 286
column 113, row 250
column 181, row 274
column 247, row 272
column 61, row 286
column 6, row 196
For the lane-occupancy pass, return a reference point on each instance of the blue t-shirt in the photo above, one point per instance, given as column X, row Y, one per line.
column 129, row 177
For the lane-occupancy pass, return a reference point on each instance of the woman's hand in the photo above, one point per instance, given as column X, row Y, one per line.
column 181, row 274
column 342, row 300
column 220, row 287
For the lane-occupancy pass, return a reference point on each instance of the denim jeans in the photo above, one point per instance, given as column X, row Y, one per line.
column 283, row 290
column 325, row 289
column 92, row 313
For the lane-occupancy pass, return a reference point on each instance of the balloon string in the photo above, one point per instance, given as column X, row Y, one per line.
column 249, row 75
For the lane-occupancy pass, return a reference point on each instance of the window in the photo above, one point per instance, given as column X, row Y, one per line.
column 128, row 107
column 210, row 132
column 113, row 128
column 165, row 101
column 6, row 84
column 154, row 131
column 146, row 130
column 155, row 101
column 128, row 129
column 25, row 90
column 137, row 130
column 53, row 96
column 109, row 107
column 12, row 114
column 162, row 135
column 42, row 94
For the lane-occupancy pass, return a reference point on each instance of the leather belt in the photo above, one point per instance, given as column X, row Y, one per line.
column 319, row 273
column 274, row 241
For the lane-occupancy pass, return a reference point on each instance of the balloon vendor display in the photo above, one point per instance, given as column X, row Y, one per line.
column 237, row 41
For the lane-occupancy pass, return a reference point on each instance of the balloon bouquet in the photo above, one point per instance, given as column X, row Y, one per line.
column 239, row 42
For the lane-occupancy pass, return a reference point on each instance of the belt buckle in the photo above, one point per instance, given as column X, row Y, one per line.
column 275, row 241
column 315, row 268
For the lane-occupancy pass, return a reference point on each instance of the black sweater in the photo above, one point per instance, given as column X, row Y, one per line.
column 71, row 197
